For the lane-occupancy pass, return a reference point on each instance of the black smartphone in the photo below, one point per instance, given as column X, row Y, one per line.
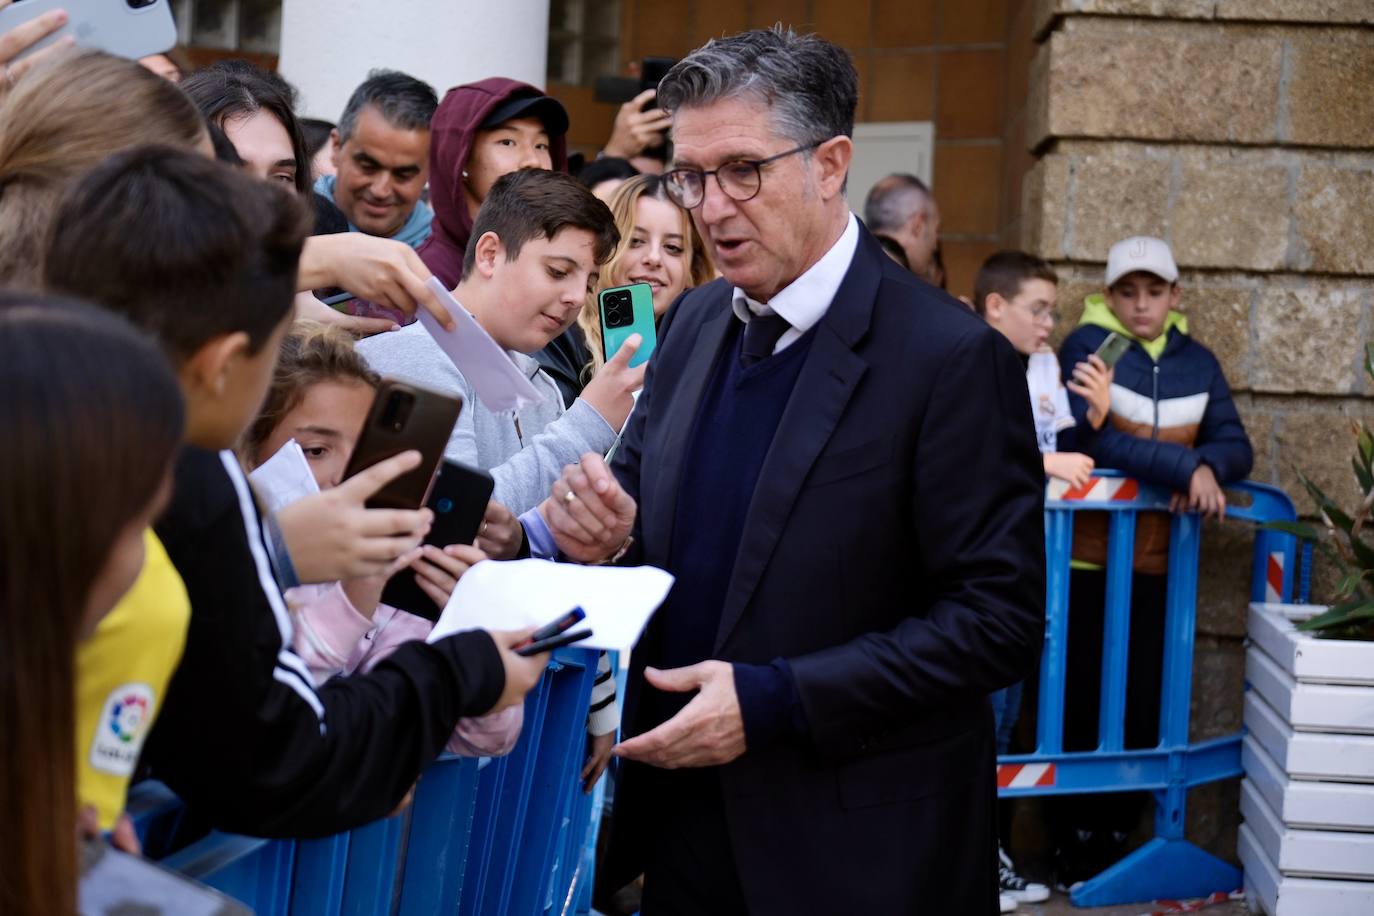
column 459, row 499
column 404, row 417
column 652, row 70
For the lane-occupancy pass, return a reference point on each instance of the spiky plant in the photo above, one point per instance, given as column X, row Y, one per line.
column 1344, row 538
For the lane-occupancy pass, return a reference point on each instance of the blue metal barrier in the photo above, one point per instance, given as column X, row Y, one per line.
column 504, row 838
column 1168, row 866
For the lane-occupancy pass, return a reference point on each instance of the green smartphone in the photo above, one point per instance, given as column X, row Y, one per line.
column 1113, row 348
column 627, row 310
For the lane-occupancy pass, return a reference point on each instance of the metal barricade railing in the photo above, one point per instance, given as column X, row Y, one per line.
column 1167, row 866
column 507, row 837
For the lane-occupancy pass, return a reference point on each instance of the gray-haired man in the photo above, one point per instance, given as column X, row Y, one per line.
column 836, row 462
column 902, row 208
column 381, row 153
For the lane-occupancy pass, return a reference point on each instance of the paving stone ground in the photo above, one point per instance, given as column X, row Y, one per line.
column 1059, row 905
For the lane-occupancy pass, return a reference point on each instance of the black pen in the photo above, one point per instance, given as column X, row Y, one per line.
column 553, row 642
column 553, row 628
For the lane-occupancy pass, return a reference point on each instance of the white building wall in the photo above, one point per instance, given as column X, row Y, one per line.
column 328, row 46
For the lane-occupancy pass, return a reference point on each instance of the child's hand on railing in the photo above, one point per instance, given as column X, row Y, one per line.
column 1204, row 495
column 1073, row 467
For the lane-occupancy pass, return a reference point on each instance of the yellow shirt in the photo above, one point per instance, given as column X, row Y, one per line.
column 121, row 675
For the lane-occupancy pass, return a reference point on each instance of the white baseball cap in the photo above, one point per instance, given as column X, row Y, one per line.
column 1144, row 253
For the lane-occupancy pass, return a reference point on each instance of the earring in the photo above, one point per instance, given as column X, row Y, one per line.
column 465, row 173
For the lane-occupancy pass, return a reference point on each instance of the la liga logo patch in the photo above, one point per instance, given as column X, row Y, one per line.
column 123, row 724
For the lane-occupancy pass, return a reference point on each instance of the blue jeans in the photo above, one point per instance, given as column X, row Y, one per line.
column 1006, row 709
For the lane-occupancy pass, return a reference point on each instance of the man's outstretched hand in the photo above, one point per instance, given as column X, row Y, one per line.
column 709, row 731
column 589, row 514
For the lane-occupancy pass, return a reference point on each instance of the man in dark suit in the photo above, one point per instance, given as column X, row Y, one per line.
column 836, row 461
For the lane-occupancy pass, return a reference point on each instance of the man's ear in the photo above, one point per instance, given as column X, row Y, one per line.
column 994, row 306
column 207, row 371
column 489, row 251
column 335, row 148
column 1175, row 296
column 833, row 156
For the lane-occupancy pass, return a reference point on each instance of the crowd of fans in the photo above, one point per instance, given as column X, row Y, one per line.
column 198, row 276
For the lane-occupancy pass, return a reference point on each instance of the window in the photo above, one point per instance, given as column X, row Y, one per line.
column 584, row 40
column 252, row 26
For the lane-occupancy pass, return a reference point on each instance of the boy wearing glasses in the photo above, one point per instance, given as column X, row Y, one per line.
column 1016, row 294
column 1172, row 423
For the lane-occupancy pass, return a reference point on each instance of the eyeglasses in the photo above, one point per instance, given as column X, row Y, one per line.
column 739, row 180
column 1043, row 313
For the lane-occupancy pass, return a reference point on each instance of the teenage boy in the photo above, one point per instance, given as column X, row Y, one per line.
column 1172, row 422
column 532, row 261
column 205, row 260
column 1017, row 293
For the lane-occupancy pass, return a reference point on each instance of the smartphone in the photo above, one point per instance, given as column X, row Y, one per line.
column 1113, row 348
column 404, row 417
column 652, row 70
column 459, row 499
column 627, row 310
column 125, row 28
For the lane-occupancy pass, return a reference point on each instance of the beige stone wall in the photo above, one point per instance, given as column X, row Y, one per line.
column 1241, row 131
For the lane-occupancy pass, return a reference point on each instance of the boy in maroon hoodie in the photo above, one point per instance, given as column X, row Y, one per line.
column 480, row 132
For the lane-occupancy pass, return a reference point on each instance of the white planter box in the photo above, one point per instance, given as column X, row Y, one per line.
column 1304, row 803
column 1306, row 853
column 1279, row 895
column 1309, row 755
column 1307, row 658
column 1310, row 706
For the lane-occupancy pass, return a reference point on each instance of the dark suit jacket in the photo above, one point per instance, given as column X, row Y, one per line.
column 894, row 554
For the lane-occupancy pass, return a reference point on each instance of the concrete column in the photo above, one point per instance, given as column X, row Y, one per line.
column 328, row 46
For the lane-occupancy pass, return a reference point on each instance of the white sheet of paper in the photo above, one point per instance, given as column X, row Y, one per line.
column 515, row 594
column 283, row 478
column 499, row 383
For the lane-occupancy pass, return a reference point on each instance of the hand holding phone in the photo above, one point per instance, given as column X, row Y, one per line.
column 405, row 418
column 125, row 28
column 1113, row 348
column 1092, row 379
column 459, row 501
column 627, row 310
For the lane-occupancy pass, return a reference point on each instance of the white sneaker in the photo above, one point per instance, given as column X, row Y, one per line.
column 1016, row 887
column 1007, row 902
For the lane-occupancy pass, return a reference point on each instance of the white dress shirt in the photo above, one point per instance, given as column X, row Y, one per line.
column 804, row 301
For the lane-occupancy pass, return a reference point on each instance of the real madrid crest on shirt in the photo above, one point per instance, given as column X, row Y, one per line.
column 1049, row 400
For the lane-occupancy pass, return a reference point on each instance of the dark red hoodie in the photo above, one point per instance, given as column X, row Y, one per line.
column 452, row 132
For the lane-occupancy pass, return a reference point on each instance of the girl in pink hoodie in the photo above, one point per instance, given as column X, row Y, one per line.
column 320, row 396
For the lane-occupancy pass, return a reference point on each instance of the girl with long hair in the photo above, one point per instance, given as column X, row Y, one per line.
column 89, row 423
column 659, row 245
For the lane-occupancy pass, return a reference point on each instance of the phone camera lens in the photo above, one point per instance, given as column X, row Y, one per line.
column 397, row 411
column 444, row 506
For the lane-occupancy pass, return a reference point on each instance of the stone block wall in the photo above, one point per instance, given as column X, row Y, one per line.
column 1242, row 132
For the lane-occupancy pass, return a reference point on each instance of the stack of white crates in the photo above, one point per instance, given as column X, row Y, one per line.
column 1307, row 841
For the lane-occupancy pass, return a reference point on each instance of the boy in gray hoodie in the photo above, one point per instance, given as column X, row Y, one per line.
column 532, row 260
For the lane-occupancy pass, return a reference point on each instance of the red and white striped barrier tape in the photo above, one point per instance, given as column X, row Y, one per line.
column 1024, row 775
column 1096, row 490
column 1273, row 577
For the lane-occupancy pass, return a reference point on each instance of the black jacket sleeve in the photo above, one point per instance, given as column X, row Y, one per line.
column 243, row 735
